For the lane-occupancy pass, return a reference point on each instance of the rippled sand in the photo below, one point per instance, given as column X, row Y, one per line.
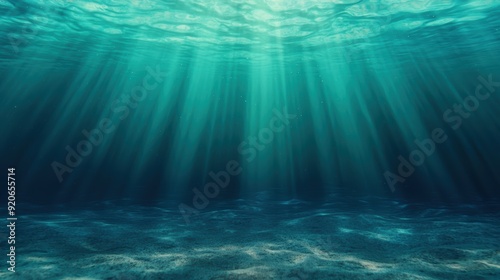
column 257, row 240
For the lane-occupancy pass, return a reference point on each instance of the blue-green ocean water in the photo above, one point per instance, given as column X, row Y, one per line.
column 365, row 80
column 308, row 139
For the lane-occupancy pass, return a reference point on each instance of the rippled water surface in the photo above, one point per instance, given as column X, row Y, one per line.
column 245, row 29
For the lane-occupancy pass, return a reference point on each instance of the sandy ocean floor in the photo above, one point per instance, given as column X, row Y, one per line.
column 260, row 240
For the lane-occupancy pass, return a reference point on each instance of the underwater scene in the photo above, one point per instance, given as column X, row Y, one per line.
column 250, row 139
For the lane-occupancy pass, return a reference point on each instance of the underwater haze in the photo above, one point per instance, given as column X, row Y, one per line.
column 232, row 139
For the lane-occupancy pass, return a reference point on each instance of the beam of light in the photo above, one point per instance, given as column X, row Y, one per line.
column 365, row 78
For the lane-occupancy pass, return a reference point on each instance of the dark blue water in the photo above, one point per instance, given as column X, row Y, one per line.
column 254, row 139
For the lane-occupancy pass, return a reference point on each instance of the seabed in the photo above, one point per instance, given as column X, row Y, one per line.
column 262, row 240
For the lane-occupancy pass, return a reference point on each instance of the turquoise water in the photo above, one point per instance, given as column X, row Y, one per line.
column 250, row 33
column 332, row 113
column 365, row 80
